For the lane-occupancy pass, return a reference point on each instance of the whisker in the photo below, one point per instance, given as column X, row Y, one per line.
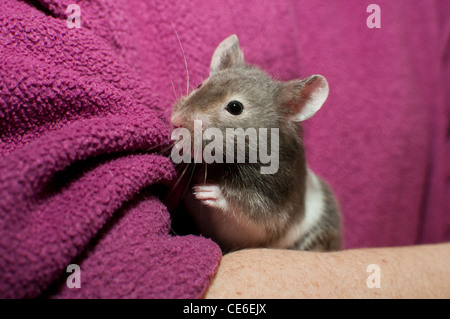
column 180, row 177
column 166, row 150
column 166, row 98
column 169, row 222
column 169, row 75
column 161, row 151
column 180, row 200
column 185, row 61
column 174, row 92
column 174, row 188
column 192, row 175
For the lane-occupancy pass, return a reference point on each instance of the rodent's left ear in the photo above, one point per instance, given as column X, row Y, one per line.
column 227, row 55
column 305, row 97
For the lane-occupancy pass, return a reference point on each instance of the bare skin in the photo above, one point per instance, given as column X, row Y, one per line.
column 406, row 272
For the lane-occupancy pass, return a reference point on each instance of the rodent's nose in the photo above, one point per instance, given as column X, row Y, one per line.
column 177, row 120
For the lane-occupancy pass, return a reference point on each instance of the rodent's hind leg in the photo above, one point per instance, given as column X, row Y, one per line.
column 211, row 195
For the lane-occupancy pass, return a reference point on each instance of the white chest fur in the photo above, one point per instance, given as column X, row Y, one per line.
column 314, row 208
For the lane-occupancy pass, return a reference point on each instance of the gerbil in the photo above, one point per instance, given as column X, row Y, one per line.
column 233, row 203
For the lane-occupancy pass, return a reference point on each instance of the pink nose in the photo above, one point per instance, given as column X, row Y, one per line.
column 177, row 120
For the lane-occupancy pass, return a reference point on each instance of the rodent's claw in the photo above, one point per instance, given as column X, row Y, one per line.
column 210, row 195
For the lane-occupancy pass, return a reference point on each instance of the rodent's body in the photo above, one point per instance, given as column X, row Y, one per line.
column 234, row 203
column 304, row 221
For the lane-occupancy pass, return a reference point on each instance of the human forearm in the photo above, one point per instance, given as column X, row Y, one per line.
column 406, row 272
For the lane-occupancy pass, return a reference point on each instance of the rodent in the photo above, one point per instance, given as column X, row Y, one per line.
column 233, row 203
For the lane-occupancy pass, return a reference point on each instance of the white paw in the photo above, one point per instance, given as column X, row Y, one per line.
column 210, row 195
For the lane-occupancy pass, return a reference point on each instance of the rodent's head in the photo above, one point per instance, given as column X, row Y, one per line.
column 238, row 95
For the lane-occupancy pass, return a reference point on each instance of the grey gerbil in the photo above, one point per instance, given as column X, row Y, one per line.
column 233, row 203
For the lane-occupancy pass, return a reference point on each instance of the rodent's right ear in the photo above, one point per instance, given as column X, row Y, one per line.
column 227, row 55
column 305, row 97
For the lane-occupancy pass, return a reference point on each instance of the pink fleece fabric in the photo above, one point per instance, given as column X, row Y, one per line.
column 83, row 114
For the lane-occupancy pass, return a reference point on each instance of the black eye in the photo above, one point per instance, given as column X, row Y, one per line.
column 235, row 107
column 200, row 85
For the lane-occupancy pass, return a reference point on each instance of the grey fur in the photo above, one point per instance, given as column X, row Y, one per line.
column 273, row 201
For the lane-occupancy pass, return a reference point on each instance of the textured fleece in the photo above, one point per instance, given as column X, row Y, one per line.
column 80, row 135
column 84, row 111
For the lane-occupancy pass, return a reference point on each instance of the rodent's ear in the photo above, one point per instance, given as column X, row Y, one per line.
column 305, row 97
column 227, row 55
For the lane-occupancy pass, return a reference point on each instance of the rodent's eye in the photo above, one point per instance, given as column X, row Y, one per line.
column 235, row 107
column 199, row 86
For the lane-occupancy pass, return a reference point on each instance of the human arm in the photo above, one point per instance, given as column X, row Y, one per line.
column 406, row 272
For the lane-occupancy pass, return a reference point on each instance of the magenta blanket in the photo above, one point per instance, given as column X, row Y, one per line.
column 83, row 114
column 79, row 130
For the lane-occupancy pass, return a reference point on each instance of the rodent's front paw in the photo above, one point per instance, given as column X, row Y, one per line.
column 211, row 195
